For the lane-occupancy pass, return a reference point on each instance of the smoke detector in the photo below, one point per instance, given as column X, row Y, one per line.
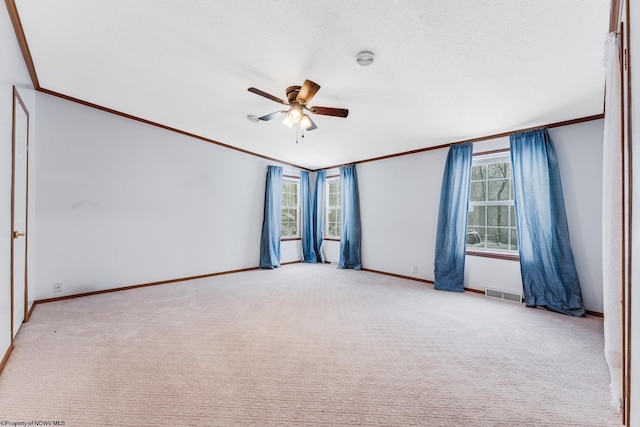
column 365, row 58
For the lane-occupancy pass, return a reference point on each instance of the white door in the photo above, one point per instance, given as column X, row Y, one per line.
column 19, row 214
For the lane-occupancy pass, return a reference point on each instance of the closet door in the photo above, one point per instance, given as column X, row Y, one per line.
column 19, row 206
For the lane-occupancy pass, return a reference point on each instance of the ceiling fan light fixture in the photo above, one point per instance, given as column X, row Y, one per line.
column 295, row 113
column 287, row 121
column 305, row 122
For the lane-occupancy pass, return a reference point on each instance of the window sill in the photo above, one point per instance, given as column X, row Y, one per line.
column 286, row 239
column 495, row 255
column 331, row 239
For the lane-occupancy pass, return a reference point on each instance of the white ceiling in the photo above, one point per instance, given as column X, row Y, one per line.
column 445, row 70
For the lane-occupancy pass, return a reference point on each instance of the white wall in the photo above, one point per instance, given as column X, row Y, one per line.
column 399, row 205
column 123, row 203
column 399, row 200
column 579, row 149
column 103, row 223
column 12, row 72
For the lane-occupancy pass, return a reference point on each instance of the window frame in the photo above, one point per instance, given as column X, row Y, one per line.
column 328, row 208
column 507, row 254
column 296, row 181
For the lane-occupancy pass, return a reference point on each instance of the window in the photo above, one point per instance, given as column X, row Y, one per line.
column 491, row 223
column 290, row 208
column 333, row 208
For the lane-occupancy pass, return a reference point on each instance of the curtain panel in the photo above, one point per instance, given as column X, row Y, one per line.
column 270, row 239
column 549, row 276
column 452, row 219
column 318, row 212
column 351, row 231
column 612, row 218
column 306, row 213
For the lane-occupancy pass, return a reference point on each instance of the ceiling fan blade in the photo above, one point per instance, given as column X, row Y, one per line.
column 307, row 91
column 267, row 95
column 328, row 111
column 271, row 116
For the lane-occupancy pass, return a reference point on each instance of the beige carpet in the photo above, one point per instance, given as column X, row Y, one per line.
column 305, row 345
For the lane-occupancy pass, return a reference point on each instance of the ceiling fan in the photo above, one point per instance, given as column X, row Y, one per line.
column 297, row 99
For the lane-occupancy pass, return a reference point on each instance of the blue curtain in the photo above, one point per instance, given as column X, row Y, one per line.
column 452, row 219
column 549, row 275
column 270, row 240
column 318, row 211
column 306, row 212
column 350, row 219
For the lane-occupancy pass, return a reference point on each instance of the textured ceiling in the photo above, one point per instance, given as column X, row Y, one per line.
column 445, row 70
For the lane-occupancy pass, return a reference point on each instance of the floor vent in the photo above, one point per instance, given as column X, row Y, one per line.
column 497, row 293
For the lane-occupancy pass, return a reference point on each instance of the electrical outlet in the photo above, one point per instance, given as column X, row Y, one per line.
column 415, row 269
column 57, row 287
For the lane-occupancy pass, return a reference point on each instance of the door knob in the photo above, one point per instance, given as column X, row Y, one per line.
column 16, row 234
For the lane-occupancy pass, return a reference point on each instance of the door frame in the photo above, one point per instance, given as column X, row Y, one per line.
column 19, row 103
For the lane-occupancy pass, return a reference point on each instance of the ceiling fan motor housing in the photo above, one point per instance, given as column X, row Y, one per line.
column 292, row 93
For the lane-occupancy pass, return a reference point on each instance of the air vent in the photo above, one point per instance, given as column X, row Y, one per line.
column 497, row 293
